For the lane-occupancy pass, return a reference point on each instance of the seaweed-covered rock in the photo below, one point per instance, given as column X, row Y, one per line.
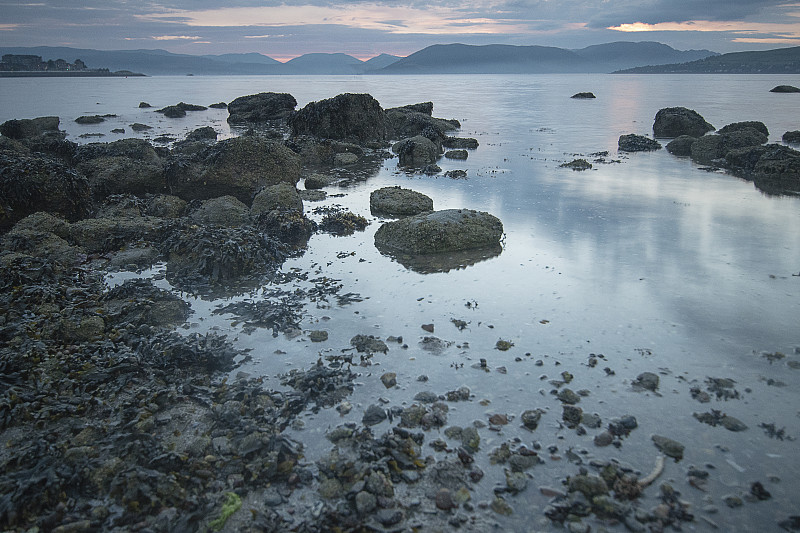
column 709, row 148
column 637, row 143
column 33, row 183
column 681, row 145
column 440, row 231
column 417, row 151
column 179, row 110
column 351, row 117
column 124, row 175
column 785, row 89
column 29, row 127
column 165, row 206
column 238, row 167
column 460, row 143
column 751, row 124
column 205, row 133
column 203, row 257
column 261, row 107
column 774, row 168
column 791, row 137
column 677, row 121
column 410, row 121
column 99, row 235
column 44, row 236
column 394, row 201
column 225, row 211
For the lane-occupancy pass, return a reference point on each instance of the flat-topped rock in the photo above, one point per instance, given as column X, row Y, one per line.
column 449, row 230
column 394, row 201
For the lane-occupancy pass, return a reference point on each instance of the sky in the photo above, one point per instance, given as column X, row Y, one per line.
column 364, row 29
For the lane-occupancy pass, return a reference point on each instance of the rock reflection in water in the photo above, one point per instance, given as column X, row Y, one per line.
column 442, row 262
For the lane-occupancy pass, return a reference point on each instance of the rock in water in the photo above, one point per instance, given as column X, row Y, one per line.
column 676, row 121
column 261, row 107
column 450, row 230
column 637, row 143
column 394, row 201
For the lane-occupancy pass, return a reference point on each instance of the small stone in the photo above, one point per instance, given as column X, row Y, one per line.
column 572, row 415
column 365, row 502
column 516, row 481
column 428, row 327
column 318, row 336
column 732, row 501
column 603, row 439
column 669, row 447
column 500, row 506
column 646, row 381
column 373, row 415
column 530, row 418
column 389, row 380
column 444, row 499
column 568, row 396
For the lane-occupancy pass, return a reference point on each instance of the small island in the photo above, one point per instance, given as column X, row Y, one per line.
column 22, row 66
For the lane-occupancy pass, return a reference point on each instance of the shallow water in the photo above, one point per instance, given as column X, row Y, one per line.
column 651, row 261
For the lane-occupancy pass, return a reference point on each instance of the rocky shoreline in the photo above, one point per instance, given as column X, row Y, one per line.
column 114, row 420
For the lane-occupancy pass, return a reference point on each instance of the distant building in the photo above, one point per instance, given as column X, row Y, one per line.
column 25, row 63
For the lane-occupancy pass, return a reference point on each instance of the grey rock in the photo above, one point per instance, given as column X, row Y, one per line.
column 373, row 415
column 456, row 154
column 225, row 211
column 281, row 197
column 395, row 201
column 646, row 381
column 669, row 447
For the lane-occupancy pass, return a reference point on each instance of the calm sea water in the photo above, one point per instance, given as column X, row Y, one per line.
column 651, row 261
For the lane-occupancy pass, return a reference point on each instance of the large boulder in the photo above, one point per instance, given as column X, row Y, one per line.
column 29, row 127
column 785, row 89
column 637, row 143
column 440, row 231
column 417, row 151
column 238, row 167
column 348, row 117
column 261, row 107
column 33, row 183
column 394, row 201
column 710, row 148
column 673, row 122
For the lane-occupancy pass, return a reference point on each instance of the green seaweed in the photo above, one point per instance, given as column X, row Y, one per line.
column 232, row 504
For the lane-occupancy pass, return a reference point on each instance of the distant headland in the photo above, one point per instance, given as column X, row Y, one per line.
column 28, row 66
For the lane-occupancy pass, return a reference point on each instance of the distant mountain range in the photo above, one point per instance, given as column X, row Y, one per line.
column 780, row 61
column 437, row 59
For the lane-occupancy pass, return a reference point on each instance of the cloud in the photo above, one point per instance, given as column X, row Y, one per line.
column 392, row 19
column 176, row 38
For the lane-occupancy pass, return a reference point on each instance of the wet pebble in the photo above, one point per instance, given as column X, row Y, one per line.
column 389, row 379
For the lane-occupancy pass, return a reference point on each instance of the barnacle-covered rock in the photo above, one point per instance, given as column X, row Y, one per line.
column 349, row 117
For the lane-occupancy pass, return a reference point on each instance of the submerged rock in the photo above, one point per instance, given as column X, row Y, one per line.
column 440, row 231
column 637, row 143
column 673, row 122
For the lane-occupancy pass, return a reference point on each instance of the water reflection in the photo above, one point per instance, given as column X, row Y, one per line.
column 443, row 262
